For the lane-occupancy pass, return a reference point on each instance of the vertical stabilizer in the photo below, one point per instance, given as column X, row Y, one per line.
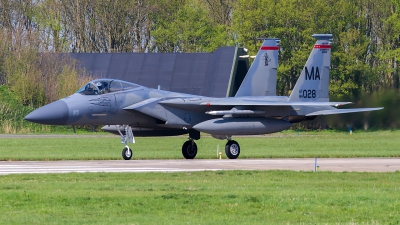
column 260, row 80
column 313, row 83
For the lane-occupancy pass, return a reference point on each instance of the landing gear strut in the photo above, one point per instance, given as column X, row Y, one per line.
column 127, row 137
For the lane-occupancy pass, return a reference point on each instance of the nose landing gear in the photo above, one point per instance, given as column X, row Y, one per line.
column 127, row 153
column 127, row 137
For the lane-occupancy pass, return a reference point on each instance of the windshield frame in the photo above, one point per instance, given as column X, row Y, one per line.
column 102, row 86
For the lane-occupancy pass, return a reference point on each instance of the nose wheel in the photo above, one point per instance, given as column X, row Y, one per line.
column 232, row 149
column 127, row 153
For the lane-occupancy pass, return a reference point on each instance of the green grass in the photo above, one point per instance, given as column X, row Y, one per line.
column 281, row 145
column 225, row 197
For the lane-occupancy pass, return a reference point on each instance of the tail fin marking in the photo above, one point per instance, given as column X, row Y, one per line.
column 260, row 80
column 313, row 83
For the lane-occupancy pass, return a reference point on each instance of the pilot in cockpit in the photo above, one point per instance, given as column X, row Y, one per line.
column 103, row 87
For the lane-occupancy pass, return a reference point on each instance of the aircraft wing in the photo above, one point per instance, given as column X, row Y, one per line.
column 272, row 103
column 339, row 111
column 179, row 102
column 148, row 106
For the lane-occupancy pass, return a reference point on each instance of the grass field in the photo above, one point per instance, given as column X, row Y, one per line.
column 281, row 145
column 225, row 197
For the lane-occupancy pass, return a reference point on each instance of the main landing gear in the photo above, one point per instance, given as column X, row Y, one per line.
column 232, row 149
column 127, row 137
column 189, row 148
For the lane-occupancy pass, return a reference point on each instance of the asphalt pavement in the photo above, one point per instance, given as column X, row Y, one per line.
column 182, row 165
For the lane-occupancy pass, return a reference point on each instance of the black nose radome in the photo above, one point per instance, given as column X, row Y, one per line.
column 55, row 113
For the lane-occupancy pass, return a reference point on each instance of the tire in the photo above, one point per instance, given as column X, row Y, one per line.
column 189, row 150
column 126, row 153
column 232, row 149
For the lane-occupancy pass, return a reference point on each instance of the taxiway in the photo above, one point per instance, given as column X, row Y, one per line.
column 325, row 164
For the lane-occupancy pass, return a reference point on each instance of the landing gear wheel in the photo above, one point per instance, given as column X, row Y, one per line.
column 189, row 149
column 127, row 153
column 232, row 149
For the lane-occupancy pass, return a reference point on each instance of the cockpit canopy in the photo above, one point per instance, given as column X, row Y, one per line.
column 103, row 86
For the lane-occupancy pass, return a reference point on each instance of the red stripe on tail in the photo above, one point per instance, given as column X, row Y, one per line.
column 322, row 46
column 269, row 48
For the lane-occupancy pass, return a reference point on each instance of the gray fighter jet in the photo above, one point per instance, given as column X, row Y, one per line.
column 131, row 109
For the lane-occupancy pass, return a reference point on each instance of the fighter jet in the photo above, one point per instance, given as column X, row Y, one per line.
column 134, row 110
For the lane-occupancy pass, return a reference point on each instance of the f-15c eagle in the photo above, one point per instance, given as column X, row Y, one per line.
column 130, row 109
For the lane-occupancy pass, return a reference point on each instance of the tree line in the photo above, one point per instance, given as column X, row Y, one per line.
column 365, row 49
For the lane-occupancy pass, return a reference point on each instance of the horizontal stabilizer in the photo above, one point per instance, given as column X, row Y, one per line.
column 340, row 111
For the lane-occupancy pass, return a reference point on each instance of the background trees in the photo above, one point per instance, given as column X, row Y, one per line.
column 365, row 52
column 366, row 34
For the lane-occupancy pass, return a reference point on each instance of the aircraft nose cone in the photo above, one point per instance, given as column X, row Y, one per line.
column 55, row 113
